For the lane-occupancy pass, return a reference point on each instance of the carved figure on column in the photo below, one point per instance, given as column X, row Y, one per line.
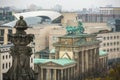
column 21, row 53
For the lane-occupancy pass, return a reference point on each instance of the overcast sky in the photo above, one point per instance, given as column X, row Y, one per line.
column 66, row 4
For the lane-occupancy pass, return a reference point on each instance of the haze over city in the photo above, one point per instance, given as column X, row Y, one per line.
column 66, row 4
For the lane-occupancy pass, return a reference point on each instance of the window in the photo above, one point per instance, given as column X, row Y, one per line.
column 111, row 50
column 117, row 37
column 111, row 43
column 6, row 65
column 2, row 32
column 9, row 64
column 3, row 57
column 104, row 50
column 3, row 66
column 114, row 49
column 117, row 49
column 107, row 50
column 107, row 44
column 114, row 37
column 104, row 38
column 117, row 43
column 107, row 38
column 104, row 44
column 114, row 43
column 111, row 37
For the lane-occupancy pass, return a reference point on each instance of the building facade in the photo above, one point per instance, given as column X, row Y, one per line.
column 110, row 44
column 6, row 14
column 5, row 60
column 4, row 31
column 110, row 10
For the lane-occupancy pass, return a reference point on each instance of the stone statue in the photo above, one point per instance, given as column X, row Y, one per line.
column 20, row 23
column 21, row 53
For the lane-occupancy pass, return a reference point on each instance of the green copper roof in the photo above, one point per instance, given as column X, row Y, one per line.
column 62, row 61
column 101, row 52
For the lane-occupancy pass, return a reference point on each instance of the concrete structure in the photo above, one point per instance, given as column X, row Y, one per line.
column 5, row 60
column 97, row 18
column 44, row 35
column 110, row 44
column 110, row 10
column 4, row 31
column 69, row 18
column 6, row 14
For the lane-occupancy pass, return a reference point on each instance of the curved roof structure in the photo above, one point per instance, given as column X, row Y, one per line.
column 51, row 14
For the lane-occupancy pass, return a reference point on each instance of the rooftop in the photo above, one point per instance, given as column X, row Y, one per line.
column 62, row 61
column 101, row 52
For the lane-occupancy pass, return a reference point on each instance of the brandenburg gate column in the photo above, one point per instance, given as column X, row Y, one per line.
column 41, row 74
column 54, row 74
column 61, row 74
column 48, row 74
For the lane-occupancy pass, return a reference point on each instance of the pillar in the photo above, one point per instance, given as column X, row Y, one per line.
column 6, row 36
column 61, row 74
column 48, row 74
column 68, row 71
column 41, row 74
column 82, row 61
column 54, row 74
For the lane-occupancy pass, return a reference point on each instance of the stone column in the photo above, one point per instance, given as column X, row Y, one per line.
column 41, row 74
column 5, row 36
column 48, row 74
column 54, row 74
column 61, row 74
column 68, row 71
column 82, row 61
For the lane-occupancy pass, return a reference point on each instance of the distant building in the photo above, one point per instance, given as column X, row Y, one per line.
column 97, row 18
column 4, row 31
column 5, row 59
column 110, row 44
column 110, row 10
column 6, row 14
column 115, row 25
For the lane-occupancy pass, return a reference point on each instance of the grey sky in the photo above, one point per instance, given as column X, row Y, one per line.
column 66, row 4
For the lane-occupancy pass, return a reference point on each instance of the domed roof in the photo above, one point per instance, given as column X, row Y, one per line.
column 51, row 14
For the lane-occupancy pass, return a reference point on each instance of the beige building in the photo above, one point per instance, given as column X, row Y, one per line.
column 110, row 44
column 110, row 10
column 4, row 31
column 69, row 18
column 44, row 35
column 5, row 60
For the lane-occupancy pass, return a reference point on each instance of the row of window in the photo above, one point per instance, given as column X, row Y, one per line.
column 6, row 56
column 112, row 50
column 111, row 37
column 111, row 44
column 6, row 65
column 5, row 49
